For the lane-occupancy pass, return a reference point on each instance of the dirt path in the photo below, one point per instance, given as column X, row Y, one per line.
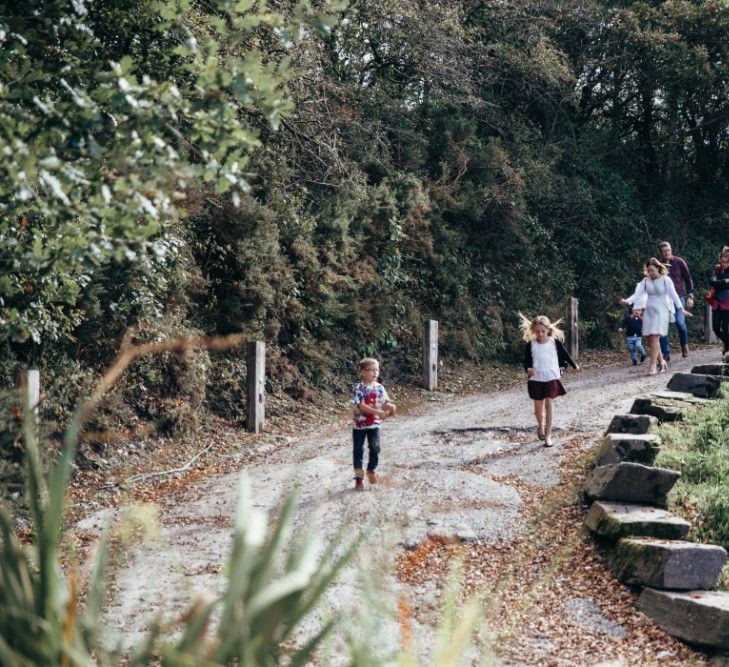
column 445, row 470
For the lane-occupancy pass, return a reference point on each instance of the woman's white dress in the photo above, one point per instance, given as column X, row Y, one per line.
column 660, row 297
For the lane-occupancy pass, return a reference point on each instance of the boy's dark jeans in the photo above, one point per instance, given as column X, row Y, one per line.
column 372, row 435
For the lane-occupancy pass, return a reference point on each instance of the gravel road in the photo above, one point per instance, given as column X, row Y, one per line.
column 445, row 471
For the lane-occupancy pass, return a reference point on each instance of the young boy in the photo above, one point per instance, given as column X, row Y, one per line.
column 371, row 406
column 633, row 326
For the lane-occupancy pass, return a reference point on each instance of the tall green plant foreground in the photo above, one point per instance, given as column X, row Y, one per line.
column 50, row 618
column 45, row 621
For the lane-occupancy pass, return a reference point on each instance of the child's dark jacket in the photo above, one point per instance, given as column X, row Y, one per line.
column 633, row 326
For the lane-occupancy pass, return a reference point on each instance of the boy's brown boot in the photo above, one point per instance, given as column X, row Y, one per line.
column 372, row 477
column 358, row 484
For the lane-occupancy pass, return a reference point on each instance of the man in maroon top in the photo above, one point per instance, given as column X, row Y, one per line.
column 681, row 277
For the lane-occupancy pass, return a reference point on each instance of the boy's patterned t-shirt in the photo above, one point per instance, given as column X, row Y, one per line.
column 373, row 395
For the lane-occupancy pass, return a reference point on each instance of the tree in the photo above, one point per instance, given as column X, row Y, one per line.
column 110, row 113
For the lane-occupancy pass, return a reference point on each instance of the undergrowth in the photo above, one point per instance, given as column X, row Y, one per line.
column 699, row 449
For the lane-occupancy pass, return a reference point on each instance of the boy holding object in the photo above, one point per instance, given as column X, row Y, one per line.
column 371, row 406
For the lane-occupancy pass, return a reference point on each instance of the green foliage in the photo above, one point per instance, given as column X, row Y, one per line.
column 460, row 163
column 109, row 113
column 699, row 450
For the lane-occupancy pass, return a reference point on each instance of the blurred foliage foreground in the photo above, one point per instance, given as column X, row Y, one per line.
column 52, row 615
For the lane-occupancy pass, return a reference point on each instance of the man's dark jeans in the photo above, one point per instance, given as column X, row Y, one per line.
column 372, row 435
column 682, row 331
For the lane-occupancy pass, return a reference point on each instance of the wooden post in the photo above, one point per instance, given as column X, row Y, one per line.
column 256, row 368
column 709, row 335
column 573, row 339
column 28, row 381
column 430, row 354
column 32, row 392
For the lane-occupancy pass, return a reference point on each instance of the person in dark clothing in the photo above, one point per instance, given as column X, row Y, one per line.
column 679, row 273
column 632, row 325
column 719, row 299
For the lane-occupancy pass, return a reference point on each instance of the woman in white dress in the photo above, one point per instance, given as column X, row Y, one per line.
column 658, row 293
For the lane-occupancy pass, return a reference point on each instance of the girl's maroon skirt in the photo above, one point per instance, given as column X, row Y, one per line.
column 538, row 391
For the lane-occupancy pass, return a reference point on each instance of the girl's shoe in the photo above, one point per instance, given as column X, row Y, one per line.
column 371, row 477
column 548, row 441
column 663, row 367
column 652, row 369
column 358, row 484
column 540, row 433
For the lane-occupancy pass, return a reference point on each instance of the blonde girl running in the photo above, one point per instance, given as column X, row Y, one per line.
column 544, row 357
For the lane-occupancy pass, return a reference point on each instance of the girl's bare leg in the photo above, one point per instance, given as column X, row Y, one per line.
column 548, row 428
column 539, row 416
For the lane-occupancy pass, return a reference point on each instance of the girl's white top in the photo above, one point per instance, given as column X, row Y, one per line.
column 544, row 361
column 660, row 299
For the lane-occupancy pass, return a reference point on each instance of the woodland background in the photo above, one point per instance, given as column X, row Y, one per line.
column 376, row 163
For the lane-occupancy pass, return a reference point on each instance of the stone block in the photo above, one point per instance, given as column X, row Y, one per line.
column 639, row 448
column 615, row 520
column 698, row 617
column 664, row 411
column 636, row 424
column 667, row 564
column 631, row 483
column 678, row 397
column 711, row 369
column 703, row 386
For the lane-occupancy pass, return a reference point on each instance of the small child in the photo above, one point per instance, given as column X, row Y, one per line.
column 544, row 359
column 371, row 406
column 633, row 326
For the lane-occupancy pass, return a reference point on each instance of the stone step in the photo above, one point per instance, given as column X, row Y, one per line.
column 698, row 617
column 711, row 369
column 667, row 564
column 679, row 397
column 703, row 386
column 630, row 483
column 636, row 424
column 639, row 448
column 664, row 411
column 615, row 520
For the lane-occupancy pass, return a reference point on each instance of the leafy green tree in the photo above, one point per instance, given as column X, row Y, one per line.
column 110, row 113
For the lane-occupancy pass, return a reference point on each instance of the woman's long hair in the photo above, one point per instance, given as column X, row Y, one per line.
column 528, row 326
column 662, row 268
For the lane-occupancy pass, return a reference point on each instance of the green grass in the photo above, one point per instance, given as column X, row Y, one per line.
column 699, row 449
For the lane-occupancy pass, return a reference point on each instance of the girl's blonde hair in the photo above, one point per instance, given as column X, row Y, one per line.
column 528, row 326
column 662, row 268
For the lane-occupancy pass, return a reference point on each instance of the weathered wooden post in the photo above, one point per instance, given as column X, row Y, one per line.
column 430, row 354
column 709, row 335
column 573, row 341
column 32, row 392
column 256, row 365
column 28, row 381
